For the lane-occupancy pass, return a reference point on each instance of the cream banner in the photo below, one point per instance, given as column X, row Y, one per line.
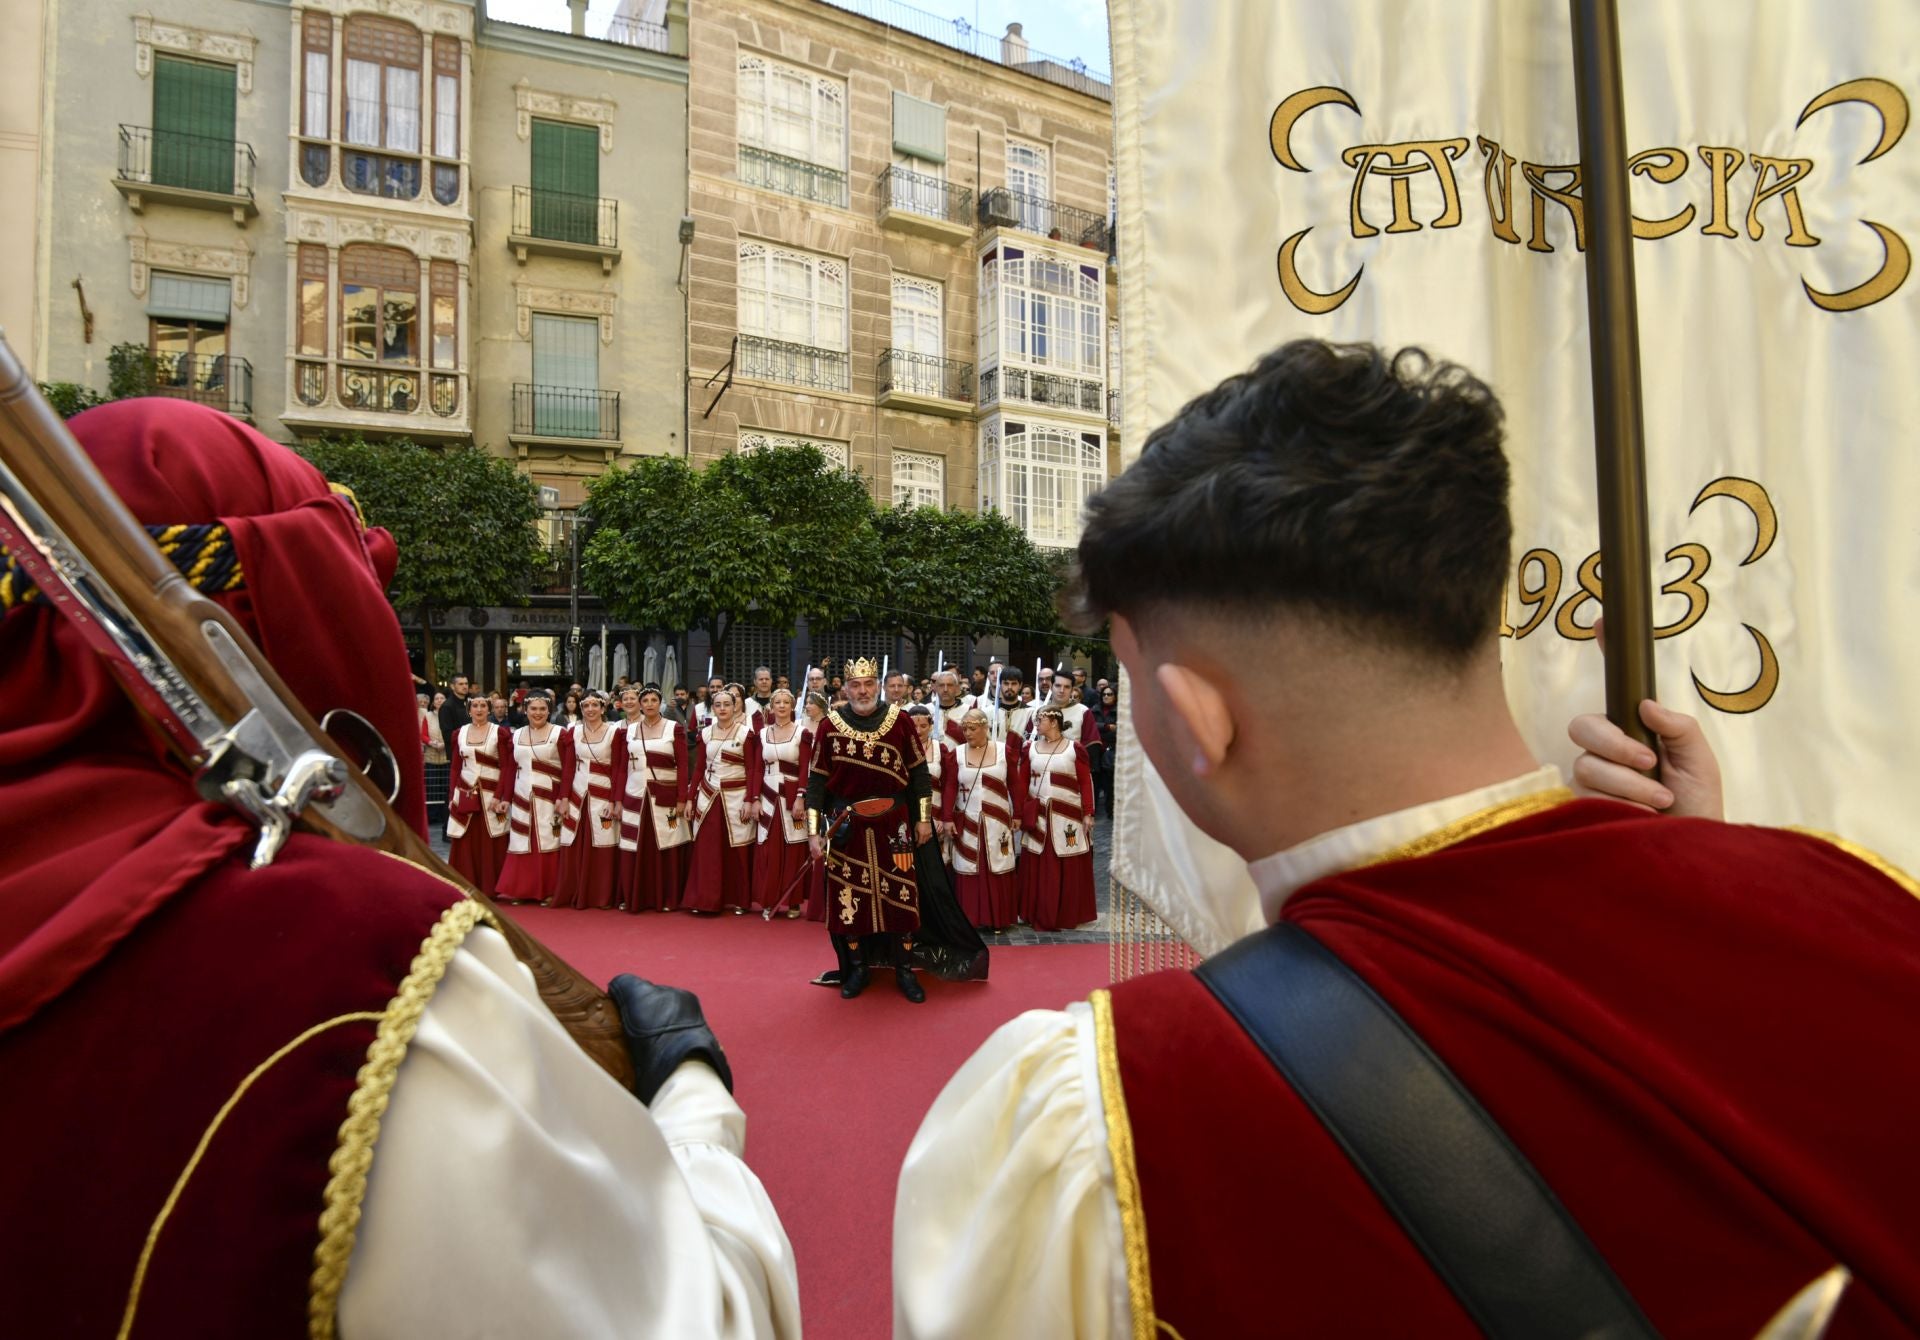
column 1407, row 173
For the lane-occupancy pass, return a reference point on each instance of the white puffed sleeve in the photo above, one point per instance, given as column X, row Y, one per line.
column 1006, row 1223
column 518, row 1191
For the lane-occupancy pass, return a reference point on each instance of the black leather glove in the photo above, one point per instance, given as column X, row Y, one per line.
column 664, row 1027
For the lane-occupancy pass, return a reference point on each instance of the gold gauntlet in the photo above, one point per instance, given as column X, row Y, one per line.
column 926, row 809
column 815, row 823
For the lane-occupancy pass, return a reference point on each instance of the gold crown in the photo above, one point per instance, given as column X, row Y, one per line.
column 863, row 667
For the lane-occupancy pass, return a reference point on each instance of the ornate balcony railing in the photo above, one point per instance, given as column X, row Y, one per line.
column 1004, row 207
column 557, row 216
column 1113, row 409
column 566, row 411
column 795, row 364
column 382, row 390
column 792, row 176
column 220, row 380
column 186, row 162
column 1042, row 388
column 918, row 193
column 632, row 32
column 922, row 374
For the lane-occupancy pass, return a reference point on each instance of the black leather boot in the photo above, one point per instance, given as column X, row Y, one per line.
column 855, row 976
column 909, row 984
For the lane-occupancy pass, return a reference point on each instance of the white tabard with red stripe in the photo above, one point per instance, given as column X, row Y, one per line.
column 478, row 771
column 593, row 798
column 653, row 787
column 946, row 722
column 726, row 776
column 536, row 788
column 1056, row 786
column 983, row 814
column 780, row 783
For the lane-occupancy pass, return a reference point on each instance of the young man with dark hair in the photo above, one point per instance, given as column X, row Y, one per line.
column 1698, row 1037
column 899, row 689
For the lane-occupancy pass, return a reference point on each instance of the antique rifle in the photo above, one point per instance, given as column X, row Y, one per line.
column 194, row 672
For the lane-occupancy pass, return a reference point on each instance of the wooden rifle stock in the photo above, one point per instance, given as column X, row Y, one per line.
column 54, row 467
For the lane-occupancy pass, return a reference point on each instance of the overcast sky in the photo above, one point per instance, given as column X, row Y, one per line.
column 1062, row 28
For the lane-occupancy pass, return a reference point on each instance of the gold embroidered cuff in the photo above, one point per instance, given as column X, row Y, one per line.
column 926, row 809
column 815, row 826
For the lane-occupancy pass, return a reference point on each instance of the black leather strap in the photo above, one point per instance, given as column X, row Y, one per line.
column 1492, row 1229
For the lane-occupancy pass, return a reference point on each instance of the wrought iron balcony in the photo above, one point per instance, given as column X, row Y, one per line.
column 184, row 169
column 1081, row 394
column 1113, row 409
column 559, row 223
column 795, row 364
column 1004, row 207
column 220, row 380
column 913, row 200
column 792, row 176
column 632, row 32
column 382, row 390
column 566, row 411
column 922, row 381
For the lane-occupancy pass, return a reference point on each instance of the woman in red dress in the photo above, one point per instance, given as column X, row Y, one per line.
column 1056, row 873
column 782, row 852
column 815, row 712
column 940, row 773
column 476, row 805
column 988, row 804
column 726, row 814
column 656, row 831
column 535, row 779
column 590, row 835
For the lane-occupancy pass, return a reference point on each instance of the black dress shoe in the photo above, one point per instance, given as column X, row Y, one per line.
column 909, row 984
column 856, row 982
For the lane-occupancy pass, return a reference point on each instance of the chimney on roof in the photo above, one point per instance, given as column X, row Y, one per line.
column 1013, row 47
column 579, row 8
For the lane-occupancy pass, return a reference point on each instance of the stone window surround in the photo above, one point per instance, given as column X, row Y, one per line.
column 530, row 102
column 235, row 49
column 234, row 263
column 531, row 298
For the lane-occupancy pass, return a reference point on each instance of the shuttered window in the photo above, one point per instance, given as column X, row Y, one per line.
column 566, row 182
column 919, row 128
column 189, row 297
column 193, row 108
column 566, row 375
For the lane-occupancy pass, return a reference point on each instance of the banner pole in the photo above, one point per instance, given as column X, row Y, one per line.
column 1613, row 342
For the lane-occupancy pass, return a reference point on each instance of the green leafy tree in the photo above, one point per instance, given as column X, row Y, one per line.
column 948, row 572
column 767, row 536
column 463, row 520
column 70, row 398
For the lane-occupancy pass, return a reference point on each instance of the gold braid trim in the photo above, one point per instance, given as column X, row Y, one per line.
column 1865, row 856
column 1473, row 825
column 1126, row 1176
column 873, row 736
column 353, row 1156
column 200, row 1152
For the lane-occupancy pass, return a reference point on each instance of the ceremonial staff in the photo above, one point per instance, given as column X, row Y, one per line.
column 197, row 676
column 1613, row 345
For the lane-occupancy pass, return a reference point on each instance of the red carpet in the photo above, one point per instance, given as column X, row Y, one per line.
column 833, row 1089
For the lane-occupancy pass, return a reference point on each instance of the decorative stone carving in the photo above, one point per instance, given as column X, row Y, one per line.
column 146, row 255
column 425, row 240
column 531, row 102
column 235, row 49
column 567, row 301
column 456, row 19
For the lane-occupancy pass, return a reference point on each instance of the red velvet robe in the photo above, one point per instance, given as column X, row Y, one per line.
column 1702, row 1036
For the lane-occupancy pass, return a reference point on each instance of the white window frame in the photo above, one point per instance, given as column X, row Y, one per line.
column 1042, row 311
column 837, row 453
column 918, row 197
column 919, row 479
column 777, row 285
column 768, row 99
column 1041, row 477
column 1030, row 170
column 919, row 314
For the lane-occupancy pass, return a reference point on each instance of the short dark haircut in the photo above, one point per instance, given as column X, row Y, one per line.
column 1336, row 480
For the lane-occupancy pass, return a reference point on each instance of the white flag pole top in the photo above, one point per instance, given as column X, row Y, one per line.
column 884, row 665
column 709, row 669
column 942, row 665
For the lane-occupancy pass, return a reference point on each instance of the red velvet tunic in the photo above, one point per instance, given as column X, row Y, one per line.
column 294, row 961
column 867, row 890
column 1701, row 1035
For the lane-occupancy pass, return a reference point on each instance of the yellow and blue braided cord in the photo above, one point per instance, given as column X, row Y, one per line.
column 204, row 555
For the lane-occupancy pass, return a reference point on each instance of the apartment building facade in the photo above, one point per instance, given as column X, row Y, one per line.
column 901, row 255
column 391, row 217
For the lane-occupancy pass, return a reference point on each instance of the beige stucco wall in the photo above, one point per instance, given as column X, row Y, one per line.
column 93, row 233
column 21, row 223
column 985, row 103
column 641, row 99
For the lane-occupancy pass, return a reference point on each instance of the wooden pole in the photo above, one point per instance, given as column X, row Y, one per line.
column 1613, row 340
